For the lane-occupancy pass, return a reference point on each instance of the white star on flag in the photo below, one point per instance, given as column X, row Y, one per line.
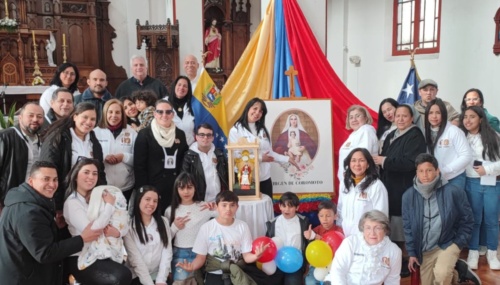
column 408, row 90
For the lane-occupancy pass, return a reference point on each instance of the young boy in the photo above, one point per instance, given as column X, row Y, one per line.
column 290, row 228
column 327, row 214
column 145, row 101
column 222, row 243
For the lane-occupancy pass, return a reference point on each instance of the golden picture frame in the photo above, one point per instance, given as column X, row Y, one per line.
column 243, row 164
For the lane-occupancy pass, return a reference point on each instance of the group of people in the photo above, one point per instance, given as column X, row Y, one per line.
column 434, row 173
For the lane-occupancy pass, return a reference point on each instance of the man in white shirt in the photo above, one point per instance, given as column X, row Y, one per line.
column 207, row 164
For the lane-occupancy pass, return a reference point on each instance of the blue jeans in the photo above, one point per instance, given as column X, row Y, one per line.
column 458, row 181
column 179, row 255
column 483, row 199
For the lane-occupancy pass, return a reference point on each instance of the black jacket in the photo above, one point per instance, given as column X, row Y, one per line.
column 29, row 250
column 13, row 161
column 192, row 164
column 60, row 154
column 87, row 96
column 399, row 168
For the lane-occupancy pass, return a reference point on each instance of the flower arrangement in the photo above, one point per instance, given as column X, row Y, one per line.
column 38, row 81
column 10, row 25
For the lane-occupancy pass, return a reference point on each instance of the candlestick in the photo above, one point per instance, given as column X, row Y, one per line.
column 6, row 9
column 33, row 33
column 64, row 39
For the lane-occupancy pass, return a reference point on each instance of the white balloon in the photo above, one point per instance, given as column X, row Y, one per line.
column 320, row 273
column 278, row 242
column 269, row 267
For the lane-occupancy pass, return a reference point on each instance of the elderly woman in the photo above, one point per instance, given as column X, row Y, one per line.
column 367, row 257
column 67, row 76
column 361, row 190
column 117, row 141
column 363, row 135
column 158, row 153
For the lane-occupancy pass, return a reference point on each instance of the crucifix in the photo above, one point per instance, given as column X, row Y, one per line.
column 292, row 72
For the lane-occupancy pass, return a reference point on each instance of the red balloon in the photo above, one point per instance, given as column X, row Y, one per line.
column 269, row 253
column 333, row 239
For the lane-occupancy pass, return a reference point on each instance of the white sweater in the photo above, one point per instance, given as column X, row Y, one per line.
column 120, row 175
column 452, row 152
column 490, row 167
column 357, row 263
column 353, row 205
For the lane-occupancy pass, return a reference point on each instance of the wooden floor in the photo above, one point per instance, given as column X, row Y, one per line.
column 487, row 276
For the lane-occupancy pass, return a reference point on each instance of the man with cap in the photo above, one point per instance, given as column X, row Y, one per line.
column 428, row 90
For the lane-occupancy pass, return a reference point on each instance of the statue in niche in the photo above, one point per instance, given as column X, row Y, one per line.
column 213, row 40
column 51, row 46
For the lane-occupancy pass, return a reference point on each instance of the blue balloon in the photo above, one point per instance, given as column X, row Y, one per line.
column 289, row 259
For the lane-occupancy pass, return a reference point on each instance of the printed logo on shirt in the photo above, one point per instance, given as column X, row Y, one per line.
column 444, row 143
column 214, row 160
column 177, row 141
column 358, row 254
column 386, row 262
column 363, row 196
column 347, row 144
column 126, row 138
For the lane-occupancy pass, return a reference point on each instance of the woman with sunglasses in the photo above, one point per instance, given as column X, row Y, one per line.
column 68, row 139
column 117, row 141
column 158, row 153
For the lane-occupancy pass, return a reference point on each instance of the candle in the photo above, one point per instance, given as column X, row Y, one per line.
column 64, row 39
column 33, row 33
column 6, row 9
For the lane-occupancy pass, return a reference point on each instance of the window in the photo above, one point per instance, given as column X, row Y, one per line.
column 416, row 23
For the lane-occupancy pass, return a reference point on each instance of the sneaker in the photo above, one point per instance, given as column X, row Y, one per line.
column 492, row 258
column 465, row 274
column 473, row 259
column 482, row 250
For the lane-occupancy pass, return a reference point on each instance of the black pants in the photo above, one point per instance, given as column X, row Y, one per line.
column 101, row 272
column 266, row 187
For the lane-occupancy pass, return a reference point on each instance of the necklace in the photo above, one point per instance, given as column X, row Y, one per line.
column 179, row 109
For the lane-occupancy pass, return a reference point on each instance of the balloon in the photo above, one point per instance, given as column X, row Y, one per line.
column 259, row 265
column 269, row 253
column 289, row 259
column 320, row 273
column 333, row 239
column 278, row 242
column 319, row 254
column 269, row 267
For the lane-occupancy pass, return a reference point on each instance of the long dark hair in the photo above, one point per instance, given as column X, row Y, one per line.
column 431, row 145
column 182, row 180
column 463, row 106
column 371, row 174
column 56, row 80
column 71, row 178
column 65, row 123
column 189, row 94
column 138, row 224
column 489, row 137
column 383, row 123
column 260, row 124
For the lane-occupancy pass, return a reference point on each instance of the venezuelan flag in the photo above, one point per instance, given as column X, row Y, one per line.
column 209, row 108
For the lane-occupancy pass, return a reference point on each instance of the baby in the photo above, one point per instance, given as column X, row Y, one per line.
column 294, row 148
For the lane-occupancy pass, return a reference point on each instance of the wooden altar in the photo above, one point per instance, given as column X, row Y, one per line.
column 88, row 36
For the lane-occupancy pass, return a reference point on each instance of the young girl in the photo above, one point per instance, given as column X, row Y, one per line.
column 145, row 103
column 149, row 241
column 186, row 215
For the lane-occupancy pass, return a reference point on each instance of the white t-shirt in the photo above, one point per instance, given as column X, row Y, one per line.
column 223, row 242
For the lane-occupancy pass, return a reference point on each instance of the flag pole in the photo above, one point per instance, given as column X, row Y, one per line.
column 412, row 60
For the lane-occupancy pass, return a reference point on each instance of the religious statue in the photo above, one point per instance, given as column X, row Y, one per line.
column 51, row 46
column 213, row 42
column 245, row 177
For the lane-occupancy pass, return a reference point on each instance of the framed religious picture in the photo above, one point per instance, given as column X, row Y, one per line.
column 302, row 130
column 243, row 164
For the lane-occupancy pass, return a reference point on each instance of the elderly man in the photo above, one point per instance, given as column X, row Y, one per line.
column 437, row 221
column 428, row 90
column 96, row 93
column 61, row 105
column 140, row 80
column 191, row 67
column 19, row 148
column 29, row 250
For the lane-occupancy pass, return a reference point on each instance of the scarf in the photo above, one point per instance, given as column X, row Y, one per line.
column 399, row 133
column 164, row 136
column 426, row 190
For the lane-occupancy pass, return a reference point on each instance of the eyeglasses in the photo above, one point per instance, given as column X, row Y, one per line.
column 472, row 99
column 202, row 135
column 376, row 229
column 161, row 112
column 356, row 116
column 69, row 73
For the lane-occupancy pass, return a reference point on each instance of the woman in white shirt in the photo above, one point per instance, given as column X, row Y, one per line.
column 447, row 143
column 82, row 180
column 364, row 135
column 361, row 191
column 252, row 125
column 117, row 141
column 367, row 257
column 67, row 76
column 180, row 98
column 149, row 241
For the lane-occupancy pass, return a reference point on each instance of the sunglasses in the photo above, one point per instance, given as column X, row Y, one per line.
column 161, row 112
